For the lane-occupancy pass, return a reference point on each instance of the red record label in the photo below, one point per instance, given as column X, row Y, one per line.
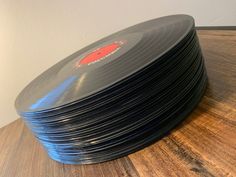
column 100, row 53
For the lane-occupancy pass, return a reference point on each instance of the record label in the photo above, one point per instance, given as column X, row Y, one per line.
column 101, row 53
column 106, row 52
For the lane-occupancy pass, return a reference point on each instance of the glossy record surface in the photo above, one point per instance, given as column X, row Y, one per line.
column 127, row 90
column 102, row 64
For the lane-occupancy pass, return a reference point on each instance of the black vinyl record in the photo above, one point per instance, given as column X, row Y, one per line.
column 118, row 94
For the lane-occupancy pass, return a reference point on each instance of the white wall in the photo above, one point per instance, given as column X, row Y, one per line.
column 35, row 34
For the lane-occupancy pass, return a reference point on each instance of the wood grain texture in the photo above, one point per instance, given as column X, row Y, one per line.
column 203, row 145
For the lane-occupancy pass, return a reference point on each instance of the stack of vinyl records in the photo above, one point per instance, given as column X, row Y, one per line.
column 117, row 95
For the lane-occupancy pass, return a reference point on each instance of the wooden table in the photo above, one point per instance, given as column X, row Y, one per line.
column 203, row 145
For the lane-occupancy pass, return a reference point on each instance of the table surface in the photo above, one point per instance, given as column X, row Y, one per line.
column 203, row 145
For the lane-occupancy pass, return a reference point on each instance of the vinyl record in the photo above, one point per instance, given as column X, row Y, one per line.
column 119, row 94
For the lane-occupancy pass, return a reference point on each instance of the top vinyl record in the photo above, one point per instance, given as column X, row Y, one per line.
column 104, row 65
